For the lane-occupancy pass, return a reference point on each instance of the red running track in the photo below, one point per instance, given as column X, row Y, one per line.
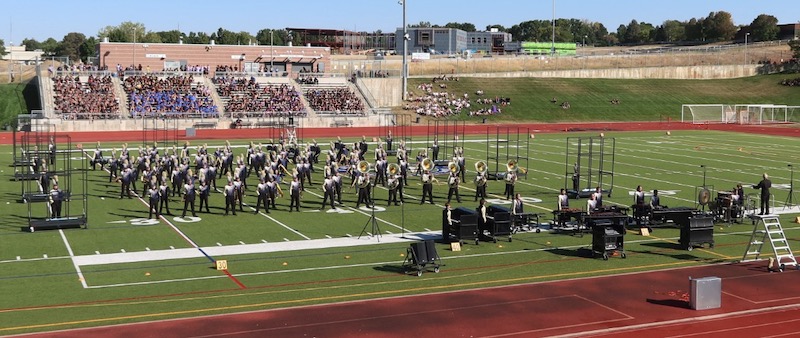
column 649, row 304
column 422, row 129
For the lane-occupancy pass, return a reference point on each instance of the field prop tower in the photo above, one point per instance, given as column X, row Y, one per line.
column 589, row 164
column 505, row 145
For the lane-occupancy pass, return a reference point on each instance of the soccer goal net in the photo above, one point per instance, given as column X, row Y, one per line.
column 764, row 113
column 708, row 113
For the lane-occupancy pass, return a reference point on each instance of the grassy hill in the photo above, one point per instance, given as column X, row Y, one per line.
column 640, row 100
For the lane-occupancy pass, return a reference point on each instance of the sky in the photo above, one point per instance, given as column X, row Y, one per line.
column 55, row 19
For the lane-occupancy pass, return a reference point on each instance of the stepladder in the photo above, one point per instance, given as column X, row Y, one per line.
column 768, row 229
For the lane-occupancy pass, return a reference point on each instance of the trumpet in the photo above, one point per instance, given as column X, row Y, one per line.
column 393, row 169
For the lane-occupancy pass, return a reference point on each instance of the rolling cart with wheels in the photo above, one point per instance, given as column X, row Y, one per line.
column 419, row 256
column 607, row 238
column 699, row 230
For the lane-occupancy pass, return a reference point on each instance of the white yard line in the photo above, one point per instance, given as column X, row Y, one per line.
column 72, row 256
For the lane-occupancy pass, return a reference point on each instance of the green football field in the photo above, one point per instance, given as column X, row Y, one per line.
column 126, row 268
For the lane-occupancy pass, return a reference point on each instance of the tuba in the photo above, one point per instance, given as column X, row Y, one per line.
column 393, row 169
column 363, row 167
column 453, row 167
column 512, row 165
column 427, row 164
column 481, row 167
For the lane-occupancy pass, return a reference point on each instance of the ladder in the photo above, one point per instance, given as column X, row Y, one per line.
column 772, row 231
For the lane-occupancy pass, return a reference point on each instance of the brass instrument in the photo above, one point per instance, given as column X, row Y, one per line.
column 512, row 166
column 453, row 167
column 427, row 164
column 452, row 181
column 393, row 168
column 481, row 167
column 363, row 167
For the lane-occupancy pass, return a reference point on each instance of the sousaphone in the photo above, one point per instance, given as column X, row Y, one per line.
column 453, row 167
column 427, row 164
column 393, row 169
column 481, row 167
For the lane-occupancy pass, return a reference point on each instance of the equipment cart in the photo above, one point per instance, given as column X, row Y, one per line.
column 419, row 256
column 699, row 230
column 607, row 238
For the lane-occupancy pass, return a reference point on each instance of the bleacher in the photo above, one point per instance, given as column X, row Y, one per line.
column 84, row 97
column 174, row 96
column 258, row 97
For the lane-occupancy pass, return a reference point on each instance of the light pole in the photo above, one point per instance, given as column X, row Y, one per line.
column 553, row 43
column 271, row 52
column 405, row 51
column 583, row 42
column 133, row 51
column 745, row 47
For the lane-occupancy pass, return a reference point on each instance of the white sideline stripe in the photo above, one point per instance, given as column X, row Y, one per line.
column 72, row 255
column 162, row 255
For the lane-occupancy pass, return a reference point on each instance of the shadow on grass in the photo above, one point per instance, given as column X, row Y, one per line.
column 398, row 269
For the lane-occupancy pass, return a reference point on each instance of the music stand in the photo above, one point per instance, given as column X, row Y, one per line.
column 790, row 198
column 376, row 230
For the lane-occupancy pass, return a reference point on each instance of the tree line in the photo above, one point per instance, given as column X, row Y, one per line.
column 717, row 26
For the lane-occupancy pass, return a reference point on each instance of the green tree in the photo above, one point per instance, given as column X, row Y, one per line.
column 719, row 26
column 466, row 26
column 671, row 31
column 764, row 28
column 31, row 44
column 695, row 30
column 500, row 28
column 49, row 46
column 126, row 32
column 88, row 49
column 170, row 36
column 794, row 45
column 633, row 33
column 263, row 37
column 197, row 38
column 2, row 47
column 71, row 44
column 421, row 24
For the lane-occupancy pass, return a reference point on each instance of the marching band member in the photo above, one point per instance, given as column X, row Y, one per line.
column 189, row 195
column 483, row 220
column 393, row 184
column 126, row 178
column 591, row 204
column 511, row 180
column 56, row 197
column 337, row 181
column 155, row 198
column 452, row 182
column 435, row 148
column 239, row 189
column 294, row 194
column 362, row 181
column 262, row 190
column 273, row 189
column 517, row 211
column 389, row 141
column 563, row 200
column 230, row 197
column 480, row 185
column 598, row 197
column 427, row 186
column 328, row 192
column 97, row 158
column 403, row 173
column 163, row 191
column 462, row 162
column 203, row 191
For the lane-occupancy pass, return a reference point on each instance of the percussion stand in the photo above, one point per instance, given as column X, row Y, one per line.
column 704, row 181
column 376, row 230
column 790, row 198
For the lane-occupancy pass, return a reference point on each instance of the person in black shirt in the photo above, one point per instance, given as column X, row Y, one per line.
column 764, row 185
column 204, row 191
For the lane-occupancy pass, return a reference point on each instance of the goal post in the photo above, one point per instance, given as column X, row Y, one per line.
column 764, row 113
column 708, row 113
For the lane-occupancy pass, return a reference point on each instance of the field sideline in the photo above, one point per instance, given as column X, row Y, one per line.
column 67, row 279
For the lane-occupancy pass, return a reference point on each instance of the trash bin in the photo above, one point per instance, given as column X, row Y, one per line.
column 706, row 293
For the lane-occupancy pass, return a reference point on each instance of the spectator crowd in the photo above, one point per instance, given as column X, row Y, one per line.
column 93, row 99
column 339, row 100
column 248, row 96
column 174, row 97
